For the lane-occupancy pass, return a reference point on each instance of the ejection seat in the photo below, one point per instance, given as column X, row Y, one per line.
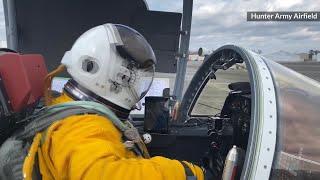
column 237, row 88
column 21, row 87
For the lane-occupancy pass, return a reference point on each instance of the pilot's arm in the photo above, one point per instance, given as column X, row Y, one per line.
column 90, row 147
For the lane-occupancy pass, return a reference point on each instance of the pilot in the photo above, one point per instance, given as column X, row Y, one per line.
column 113, row 65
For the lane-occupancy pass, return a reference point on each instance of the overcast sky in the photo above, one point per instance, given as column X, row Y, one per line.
column 219, row 22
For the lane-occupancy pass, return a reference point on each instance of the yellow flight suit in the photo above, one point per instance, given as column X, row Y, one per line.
column 90, row 147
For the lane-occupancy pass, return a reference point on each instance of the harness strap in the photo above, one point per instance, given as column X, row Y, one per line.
column 11, row 159
column 45, row 117
column 188, row 171
column 30, row 159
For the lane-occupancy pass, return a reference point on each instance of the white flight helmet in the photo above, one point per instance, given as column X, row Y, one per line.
column 112, row 64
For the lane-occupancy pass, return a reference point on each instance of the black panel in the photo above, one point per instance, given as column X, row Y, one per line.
column 162, row 30
column 156, row 114
column 163, row 42
column 158, row 22
column 50, row 27
column 168, row 62
column 179, row 146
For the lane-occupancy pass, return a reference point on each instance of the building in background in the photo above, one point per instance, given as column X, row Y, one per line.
column 279, row 56
column 312, row 55
column 304, row 57
column 193, row 56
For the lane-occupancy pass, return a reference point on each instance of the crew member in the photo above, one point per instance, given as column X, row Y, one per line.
column 113, row 65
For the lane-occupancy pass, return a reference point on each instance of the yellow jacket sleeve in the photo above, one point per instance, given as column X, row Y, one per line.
column 90, row 147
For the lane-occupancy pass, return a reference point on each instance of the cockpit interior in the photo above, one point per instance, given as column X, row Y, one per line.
column 206, row 128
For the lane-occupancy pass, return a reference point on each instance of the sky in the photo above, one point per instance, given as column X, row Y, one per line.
column 219, row 22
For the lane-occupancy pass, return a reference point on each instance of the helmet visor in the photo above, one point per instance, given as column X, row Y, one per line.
column 144, row 83
column 134, row 47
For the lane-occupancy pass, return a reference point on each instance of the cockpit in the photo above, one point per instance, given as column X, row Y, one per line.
column 213, row 117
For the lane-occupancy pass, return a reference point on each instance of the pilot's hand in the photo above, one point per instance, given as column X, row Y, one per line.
column 212, row 163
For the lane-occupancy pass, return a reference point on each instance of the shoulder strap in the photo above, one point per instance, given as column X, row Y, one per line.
column 45, row 117
column 15, row 149
column 188, row 171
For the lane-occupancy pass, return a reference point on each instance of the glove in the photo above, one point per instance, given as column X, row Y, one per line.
column 212, row 164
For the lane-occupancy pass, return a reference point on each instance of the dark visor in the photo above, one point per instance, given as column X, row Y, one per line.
column 135, row 47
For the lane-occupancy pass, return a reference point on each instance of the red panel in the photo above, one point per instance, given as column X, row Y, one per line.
column 36, row 71
column 23, row 78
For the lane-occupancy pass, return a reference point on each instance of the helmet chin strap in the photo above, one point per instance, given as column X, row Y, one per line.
column 78, row 92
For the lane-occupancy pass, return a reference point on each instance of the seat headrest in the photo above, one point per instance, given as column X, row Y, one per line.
column 22, row 78
column 240, row 86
